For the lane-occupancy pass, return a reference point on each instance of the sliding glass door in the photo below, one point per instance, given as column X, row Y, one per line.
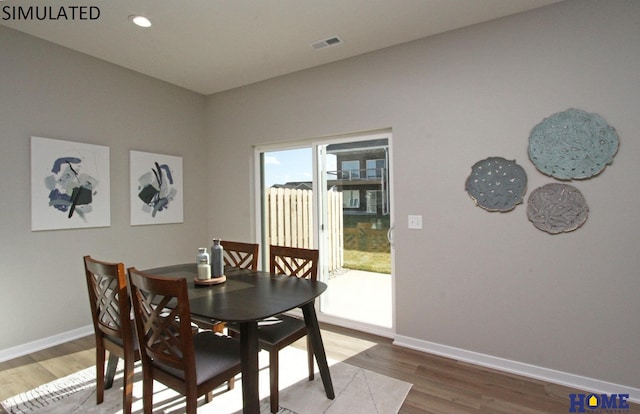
column 335, row 195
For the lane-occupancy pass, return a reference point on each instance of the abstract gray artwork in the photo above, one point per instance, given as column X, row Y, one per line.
column 572, row 145
column 557, row 208
column 70, row 186
column 497, row 184
column 156, row 188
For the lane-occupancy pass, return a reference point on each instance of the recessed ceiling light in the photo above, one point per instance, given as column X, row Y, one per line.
column 140, row 20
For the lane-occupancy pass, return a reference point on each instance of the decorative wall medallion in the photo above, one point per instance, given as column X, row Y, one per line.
column 557, row 208
column 572, row 145
column 497, row 184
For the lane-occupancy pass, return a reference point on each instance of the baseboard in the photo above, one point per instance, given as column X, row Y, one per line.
column 514, row 367
column 40, row 344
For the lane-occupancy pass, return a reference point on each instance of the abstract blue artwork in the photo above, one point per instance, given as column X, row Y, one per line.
column 156, row 188
column 69, row 185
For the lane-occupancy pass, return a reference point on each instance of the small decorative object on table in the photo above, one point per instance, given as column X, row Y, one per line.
column 217, row 259
column 215, row 266
column 202, row 260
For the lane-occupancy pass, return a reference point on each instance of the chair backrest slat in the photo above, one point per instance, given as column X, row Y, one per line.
column 240, row 255
column 162, row 315
column 107, row 285
column 294, row 261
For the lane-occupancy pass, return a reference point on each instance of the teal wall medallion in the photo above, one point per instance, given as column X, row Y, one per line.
column 497, row 184
column 572, row 145
column 557, row 208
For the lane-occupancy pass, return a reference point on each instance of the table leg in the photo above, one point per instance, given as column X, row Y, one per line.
column 249, row 355
column 313, row 330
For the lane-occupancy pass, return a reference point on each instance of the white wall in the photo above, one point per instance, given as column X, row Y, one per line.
column 53, row 92
column 485, row 282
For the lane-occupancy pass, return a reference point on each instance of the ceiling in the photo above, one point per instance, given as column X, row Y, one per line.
column 209, row 46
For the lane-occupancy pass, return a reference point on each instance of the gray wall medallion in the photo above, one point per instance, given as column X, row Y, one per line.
column 557, row 208
column 497, row 184
column 572, row 145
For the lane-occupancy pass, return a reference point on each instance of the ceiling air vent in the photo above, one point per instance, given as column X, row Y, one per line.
column 332, row 41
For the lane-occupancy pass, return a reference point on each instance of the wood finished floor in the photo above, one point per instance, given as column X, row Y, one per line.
column 440, row 385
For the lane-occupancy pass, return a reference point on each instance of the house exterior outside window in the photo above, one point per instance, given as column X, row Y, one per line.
column 363, row 179
column 351, row 198
column 375, row 168
column 350, row 169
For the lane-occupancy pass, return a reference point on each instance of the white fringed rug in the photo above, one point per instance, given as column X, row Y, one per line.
column 357, row 391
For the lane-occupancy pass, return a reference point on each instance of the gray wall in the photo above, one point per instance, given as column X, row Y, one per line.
column 50, row 91
column 485, row 282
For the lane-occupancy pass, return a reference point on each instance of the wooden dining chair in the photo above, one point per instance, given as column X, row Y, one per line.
column 281, row 331
column 240, row 255
column 112, row 325
column 192, row 365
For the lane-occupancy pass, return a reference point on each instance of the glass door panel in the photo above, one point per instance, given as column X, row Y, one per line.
column 355, row 222
column 335, row 196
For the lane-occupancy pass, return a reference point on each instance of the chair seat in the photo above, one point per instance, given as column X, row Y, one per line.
column 118, row 341
column 208, row 364
column 276, row 329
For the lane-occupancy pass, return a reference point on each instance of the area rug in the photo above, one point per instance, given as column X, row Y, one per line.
column 357, row 391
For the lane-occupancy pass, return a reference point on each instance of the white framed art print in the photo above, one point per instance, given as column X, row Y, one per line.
column 70, row 185
column 156, row 188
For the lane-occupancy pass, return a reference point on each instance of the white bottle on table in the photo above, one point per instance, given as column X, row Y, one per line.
column 204, row 267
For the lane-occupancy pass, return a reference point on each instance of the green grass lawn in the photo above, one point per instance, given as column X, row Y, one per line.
column 367, row 261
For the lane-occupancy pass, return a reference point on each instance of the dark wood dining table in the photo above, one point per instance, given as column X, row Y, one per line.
column 246, row 297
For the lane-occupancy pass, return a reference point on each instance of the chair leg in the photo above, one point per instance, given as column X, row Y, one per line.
column 100, row 357
column 310, row 359
column 232, row 381
column 127, row 386
column 273, row 380
column 147, row 393
column 208, row 397
column 192, row 402
column 111, row 370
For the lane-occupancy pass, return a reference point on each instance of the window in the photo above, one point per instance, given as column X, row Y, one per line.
column 350, row 169
column 372, row 201
column 375, row 168
column 351, row 198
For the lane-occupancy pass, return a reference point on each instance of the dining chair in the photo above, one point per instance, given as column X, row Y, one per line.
column 112, row 325
column 240, row 255
column 282, row 330
column 192, row 365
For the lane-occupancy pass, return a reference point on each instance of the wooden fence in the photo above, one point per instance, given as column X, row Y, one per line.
column 289, row 214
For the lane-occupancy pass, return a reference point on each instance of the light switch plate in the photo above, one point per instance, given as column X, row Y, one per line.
column 415, row 222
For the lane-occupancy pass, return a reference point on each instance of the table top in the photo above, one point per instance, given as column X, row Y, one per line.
column 246, row 295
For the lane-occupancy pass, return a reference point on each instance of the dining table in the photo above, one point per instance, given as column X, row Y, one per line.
column 245, row 298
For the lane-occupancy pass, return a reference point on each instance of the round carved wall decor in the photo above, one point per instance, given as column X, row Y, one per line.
column 497, row 184
column 572, row 144
column 557, row 208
